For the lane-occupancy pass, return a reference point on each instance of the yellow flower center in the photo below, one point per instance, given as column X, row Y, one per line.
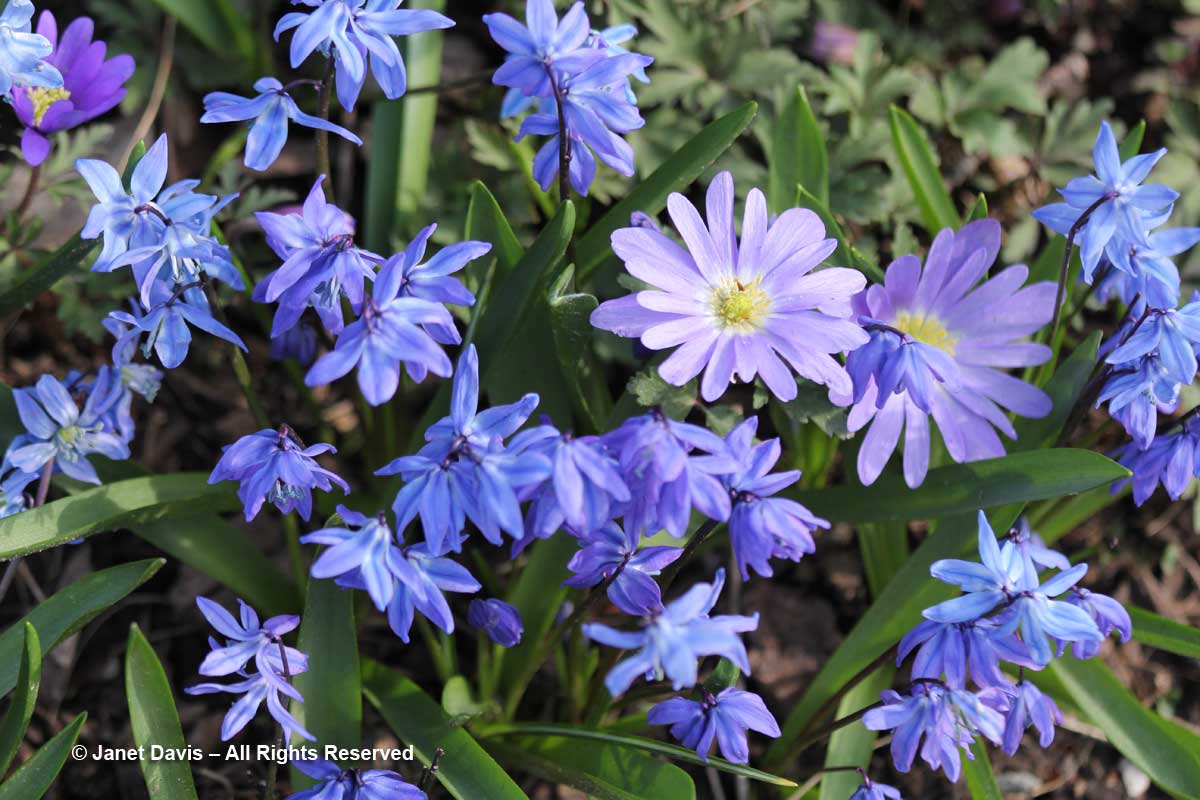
column 43, row 98
column 925, row 329
column 739, row 305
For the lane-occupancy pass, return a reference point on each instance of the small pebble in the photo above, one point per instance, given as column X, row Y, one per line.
column 1137, row 783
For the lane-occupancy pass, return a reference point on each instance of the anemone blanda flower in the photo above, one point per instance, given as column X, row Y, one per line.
column 498, row 619
column 740, row 309
column 939, row 345
column 726, row 716
column 270, row 111
column 22, row 52
column 91, row 86
column 1172, row 459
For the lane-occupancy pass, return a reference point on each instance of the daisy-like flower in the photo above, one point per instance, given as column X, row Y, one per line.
column 734, row 308
column 939, row 345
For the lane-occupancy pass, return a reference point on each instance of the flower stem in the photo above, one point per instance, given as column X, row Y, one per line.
column 827, row 731
column 449, row 86
column 323, row 102
column 698, row 538
column 564, row 143
column 30, row 191
column 429, row 772
column 273, row 769
column 1060, row 295
column 241, row 369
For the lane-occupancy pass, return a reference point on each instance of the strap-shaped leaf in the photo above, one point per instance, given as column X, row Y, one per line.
column 487, row 223
column 1165, row 634
column 68, row 610
column 570, row 323
column 62, row 262
column 20, row 710
column 981, row 779
column 155, row 722
column 110, row 507
column 798, row 154
column 34, row 778
column 465, row 769
column 920, row 167
column 844, row 255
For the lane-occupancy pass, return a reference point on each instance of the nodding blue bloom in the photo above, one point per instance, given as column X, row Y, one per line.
column 956, row 649
column 762, row 527
column 166, row 322
column 142, row 380
column 1172, row 459
column 1117, row 201
column 613, row 551
column 499, row 620
column 1027, row 705
column 663, row 481
column 727, row 716
column 670, row 643
column 274, row 466
column 335, row 783
column 421, row 578
column 541, row 41
column 1173, row 334
column 1136, row 393
column 363, row 545
column 465, row 472
column 941, row 342
column 320, row 263
column 747, row 308
column 298, row 342
column 1146, row 270
column 271, row 111
column 1108, row 614
column 90, row 86
column 1033, row 550
column 276, row 665
column 874, row 790
column 351, row 32
column 22, row 52
column 12, row 491
column 59, row 431
column 610, row 40
column 584, row 493
column 948, row 719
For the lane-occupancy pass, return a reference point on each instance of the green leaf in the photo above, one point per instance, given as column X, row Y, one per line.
column 798, row 154
column 33, row 779
column 844, row 254
column 1154, row 744
column 1165, row 634
column 981, row 779
column 570, row 324
column 853, row 745
column 675, row 174
column 1132, row 142
column 636, row 742
column 604, row 772
column 959, row 488
column 487, row 223
column 205, row 20
column 423, row 61
column 979, row 210
column 20, row 710
column 920, row 166
column 111, row 507
column 155, row 722
column 465, row 769
column 68, row 610
column 383, row 170
column 62, row 262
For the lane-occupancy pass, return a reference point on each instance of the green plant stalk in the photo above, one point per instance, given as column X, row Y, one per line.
column 323, row 103
column 291, row 535
column 423, row 58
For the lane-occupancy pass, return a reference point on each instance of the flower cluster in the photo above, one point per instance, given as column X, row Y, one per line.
column 335, row 783
column 256, row 653
column 579, row 81
column 962, row 641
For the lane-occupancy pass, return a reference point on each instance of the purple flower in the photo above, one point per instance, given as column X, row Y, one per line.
column 365, row 546
column 299, row 342
column 1108, row 614
column 22, row 52
column 166, row 323
column 12, row 491
column 954, row 649
column 275, row 466
column 1173, row 334
column 1146, row 270
column 334, row 783
column 1028, row 706
column 421, row 579
column 939, row 347
column 271, row 111
column 499, row 620
column 670, row 643
column 1172, row 459
column 1116, row 198
column 735, row 308
column 873, row 790
column 1136, row 393
column 541, row 41
column 320, row 263
column 727, row 716
column 613, row 551
column 947, row 719
column 90, row 86
column 351, row 32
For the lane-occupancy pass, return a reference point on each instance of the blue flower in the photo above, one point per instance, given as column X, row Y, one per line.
column 1136, row 393
column 464, row 471
column 1173, row 334
column 321, row 263
column 946, row 718
column 664, row 482
column 270, row 111
column 166, row 323
column 59, row 431
column 762, row 527
column 421, row 578
column 1146, row 271
column 874, row 790
column 954, row 649
column 335, row 783
column 365, row 546
column 727, row 716
column 613, row 551
column 298, row 342
column 1172, row 459
column 498, row 619
column 353, row 31
column 142, row 380
column 541, row 41
column 1029, row 706
column 1108, row 614
column 275, row 466
column 670, row 643
column 12, row 491
column 1115, row 200
column 21, row 52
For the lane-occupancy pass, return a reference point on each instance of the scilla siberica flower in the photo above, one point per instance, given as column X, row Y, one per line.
column 362, row 545
column 91, row 86
column 874, row 790
column 335, row 783
column 1172, row 459
column 954, row 650
column 542, row 40
column 738, row 309
column 498, row 619
column 1107, row 613
column 275, row 466
column 422, row 577
column 1136, row 392
column 21, row 52
column 939, row 345
column 1027, row 705
column 276, row 665
column 671, row 642
column 270, row 111
column 1112, row 205
column 12, row 491
column 166, row 323
column 1173, row 334
column 612, row 553
column 320, row 263
column 726, row 716
column 351, row 32
column 1146, row 270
